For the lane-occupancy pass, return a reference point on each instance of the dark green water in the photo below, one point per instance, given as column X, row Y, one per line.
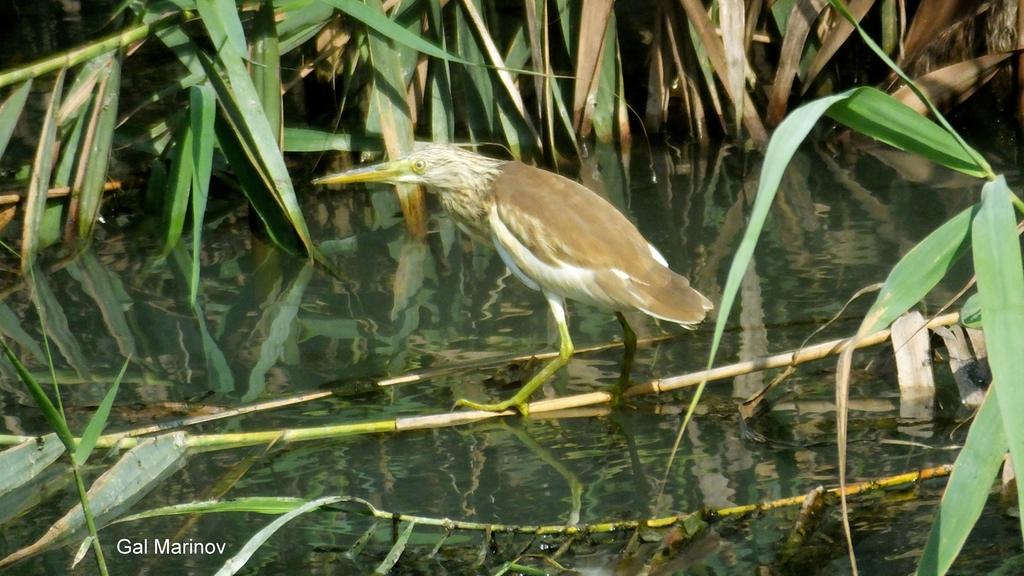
column 268, row 326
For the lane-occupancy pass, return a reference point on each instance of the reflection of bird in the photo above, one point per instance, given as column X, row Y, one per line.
column 554, row 234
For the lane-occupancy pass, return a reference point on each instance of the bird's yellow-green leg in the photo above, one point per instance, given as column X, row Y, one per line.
column 565, row 350
column 629, row 343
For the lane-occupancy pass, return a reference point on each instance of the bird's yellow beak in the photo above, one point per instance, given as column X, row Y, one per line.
column 393, row 171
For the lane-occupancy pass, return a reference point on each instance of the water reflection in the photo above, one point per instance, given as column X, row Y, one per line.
column 268, row 325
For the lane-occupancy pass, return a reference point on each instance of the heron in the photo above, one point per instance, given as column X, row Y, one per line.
column 554, row 234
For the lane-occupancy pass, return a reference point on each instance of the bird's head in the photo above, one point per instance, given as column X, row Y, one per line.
column 438, row 166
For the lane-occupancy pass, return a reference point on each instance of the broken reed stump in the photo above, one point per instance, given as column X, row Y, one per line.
column 912, row 347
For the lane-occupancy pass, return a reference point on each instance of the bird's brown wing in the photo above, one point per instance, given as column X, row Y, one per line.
column 562, row 223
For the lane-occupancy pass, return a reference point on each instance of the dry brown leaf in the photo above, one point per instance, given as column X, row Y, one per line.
column 536, row 52
column 804, row 13
column 698, row 17
column 656, row 107
column 952, row 84
column 593, row 25
column 835, row 39
column 329, row 47
column 691, row 95
column 731, row 15
column 932, row 19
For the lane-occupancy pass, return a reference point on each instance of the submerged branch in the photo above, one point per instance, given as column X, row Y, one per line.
column 690, row 519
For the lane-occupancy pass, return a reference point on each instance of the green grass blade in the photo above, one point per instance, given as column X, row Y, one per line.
column 567, row 21
column 256, row 187
column 10, row 111
column 39, row 183
column 395, row 553
column 476, row 86
column 388, row 107
column 222, row 15
column 442, row 119
column 784, row 142
column 884, row 118
column 299, row 23
column 515, row 121
column 293, row 40
column 179, row 182
column 970, row 312
column 968, row 488
column 203, row 110
column 918, row 272
column 383, row 25
column 266, row 67
column 98, row 138
column 183, row 48
column 77, row 98
column 312, row 140
column 997, row 263
column 68, row 154
column 238, row 98
column 53, row 416
column 257, row 504
column 563, row 111
column 237, row 562
column 98, row 421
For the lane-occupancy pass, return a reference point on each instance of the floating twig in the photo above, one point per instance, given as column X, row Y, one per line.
column 126, row 440
column 793, row 358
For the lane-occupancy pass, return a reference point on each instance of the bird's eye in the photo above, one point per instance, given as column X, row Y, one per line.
column 419, row 166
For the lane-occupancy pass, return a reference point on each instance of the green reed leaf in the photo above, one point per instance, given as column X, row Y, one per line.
column 266, row 66
column 10, row 112
column 39, row 182
column 98, row 421
column 1000, row 271
column 312, row 140
column 879, row 115
column 379, row 22
column 179, row 182
column 967, row 490
column 920, row 269
column 257, row 504
column 222, row 16
column 95, row 157
column 236, row 562
column 396, row 551
column 203, row 110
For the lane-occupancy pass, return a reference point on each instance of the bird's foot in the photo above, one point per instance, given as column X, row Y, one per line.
column 519, row 404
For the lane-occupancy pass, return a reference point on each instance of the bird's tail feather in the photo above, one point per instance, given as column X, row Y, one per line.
column 676, row 301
